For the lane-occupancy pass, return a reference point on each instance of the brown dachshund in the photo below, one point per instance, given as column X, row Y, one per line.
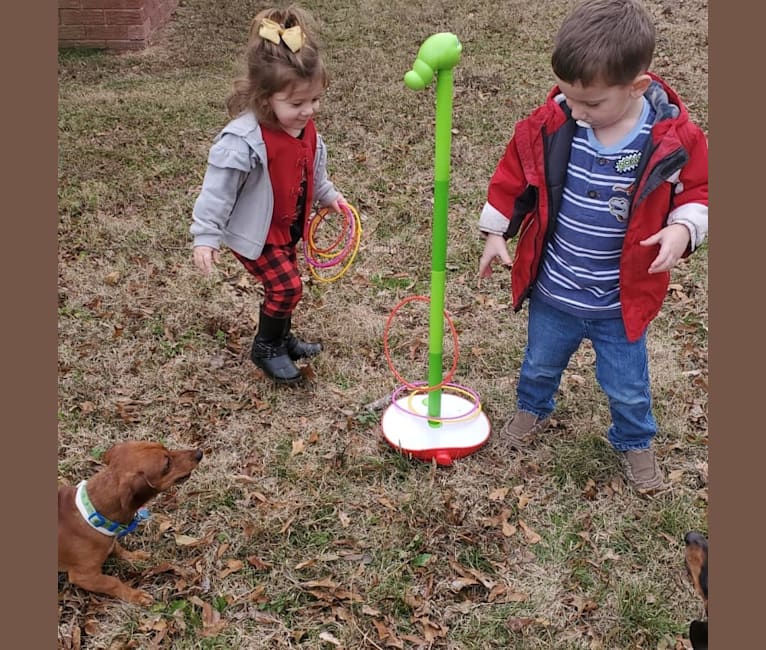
column 696, row 565
column 96, row 513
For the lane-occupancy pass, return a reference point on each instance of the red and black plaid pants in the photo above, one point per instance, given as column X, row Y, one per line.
column 277, row 270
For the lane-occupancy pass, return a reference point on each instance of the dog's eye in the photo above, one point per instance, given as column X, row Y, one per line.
column 166, row 468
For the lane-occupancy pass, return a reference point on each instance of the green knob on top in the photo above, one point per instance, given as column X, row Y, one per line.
column 438, row 52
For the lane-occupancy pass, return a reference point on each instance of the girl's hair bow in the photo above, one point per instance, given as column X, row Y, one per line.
column 272, row 31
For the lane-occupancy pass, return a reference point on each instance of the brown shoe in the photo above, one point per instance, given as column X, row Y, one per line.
column 642, row 470
column 521, row 428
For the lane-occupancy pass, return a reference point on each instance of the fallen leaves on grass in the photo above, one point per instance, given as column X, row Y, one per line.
column 530, row 535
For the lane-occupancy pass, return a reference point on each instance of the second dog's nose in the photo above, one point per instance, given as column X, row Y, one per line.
column 694, row 538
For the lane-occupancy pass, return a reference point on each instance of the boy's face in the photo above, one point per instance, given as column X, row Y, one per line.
column 296, row 105
column 603, row 106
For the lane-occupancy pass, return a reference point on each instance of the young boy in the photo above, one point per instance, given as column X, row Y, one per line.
column 606, row 184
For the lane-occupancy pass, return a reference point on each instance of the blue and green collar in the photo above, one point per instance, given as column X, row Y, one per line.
column 103, row 525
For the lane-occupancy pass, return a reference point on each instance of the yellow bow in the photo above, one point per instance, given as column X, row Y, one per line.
column 292, row 36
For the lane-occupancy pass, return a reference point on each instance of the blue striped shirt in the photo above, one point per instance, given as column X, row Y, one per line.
column 580, row 271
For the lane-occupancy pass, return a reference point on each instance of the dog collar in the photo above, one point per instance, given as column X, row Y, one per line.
column 103, row 525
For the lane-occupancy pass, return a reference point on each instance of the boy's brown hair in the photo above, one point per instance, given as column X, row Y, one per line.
column 611, row 41
column 274, row 67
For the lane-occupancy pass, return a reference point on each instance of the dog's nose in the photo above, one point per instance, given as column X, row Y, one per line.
column 693, row 538
column 198, row 455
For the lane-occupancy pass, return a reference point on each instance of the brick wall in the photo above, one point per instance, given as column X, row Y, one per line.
column 112, row 24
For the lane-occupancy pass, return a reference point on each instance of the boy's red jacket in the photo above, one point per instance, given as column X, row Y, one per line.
column 672, row 187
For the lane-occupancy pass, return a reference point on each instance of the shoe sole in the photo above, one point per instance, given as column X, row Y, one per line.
column 278, row 380
column 303, row 356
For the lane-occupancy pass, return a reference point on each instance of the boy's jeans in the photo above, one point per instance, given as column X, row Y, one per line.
column 622, row 370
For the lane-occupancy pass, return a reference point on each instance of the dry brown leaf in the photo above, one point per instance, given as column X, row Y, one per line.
column 299, row 446
column 287, row 524
column 518, row 623
column 308, row 373
column 386, row 503
column 258, row 563
column 508, row 529
column 91, row 627
column 346, row 594
column 112, row 278
column 325, row 583
column 154, row 623
column 530, row 535
column 75, row 637
column 232, row 566
column 589, row 491
column 676, row 475
column 163, row 522
column 461, row 583
column 326, row 636
column 187, row 540
column 431, row 630
column 382, row 630
column 576, row 379
column 581, row 604
column 212, row 623
column 498, row 494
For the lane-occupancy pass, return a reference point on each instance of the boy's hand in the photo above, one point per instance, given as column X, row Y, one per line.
column 494, row 248
column 205, row 258
column 673, row 241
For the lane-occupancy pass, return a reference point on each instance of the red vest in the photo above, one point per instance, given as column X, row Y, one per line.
column 291, row 170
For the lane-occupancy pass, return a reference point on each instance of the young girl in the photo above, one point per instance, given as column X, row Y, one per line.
column 265, row 170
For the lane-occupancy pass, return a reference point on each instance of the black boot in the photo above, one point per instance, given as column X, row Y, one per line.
column 269, row 351
column 298, row 349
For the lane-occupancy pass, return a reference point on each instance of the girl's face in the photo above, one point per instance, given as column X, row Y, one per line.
column 296, row 105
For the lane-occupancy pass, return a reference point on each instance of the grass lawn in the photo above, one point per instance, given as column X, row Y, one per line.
column 302, row 528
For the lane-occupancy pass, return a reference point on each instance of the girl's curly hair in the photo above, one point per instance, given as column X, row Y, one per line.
column 273, row 67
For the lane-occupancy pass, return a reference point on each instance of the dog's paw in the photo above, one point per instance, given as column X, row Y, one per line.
column 130, row 556
column 140, row 597
column 137, row 556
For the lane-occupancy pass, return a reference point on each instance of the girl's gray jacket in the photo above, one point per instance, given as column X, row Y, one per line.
column 236, row 200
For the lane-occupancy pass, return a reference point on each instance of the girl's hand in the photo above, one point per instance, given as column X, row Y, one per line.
column 673, row 241
column 336, row 204
column 205, row 258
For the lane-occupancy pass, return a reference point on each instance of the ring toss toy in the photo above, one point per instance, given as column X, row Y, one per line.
column 438, row 420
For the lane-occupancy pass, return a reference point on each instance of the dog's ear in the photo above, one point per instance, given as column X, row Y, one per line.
column 698, row 635
column 109, row 455
column 135, row 490
column 113, row 455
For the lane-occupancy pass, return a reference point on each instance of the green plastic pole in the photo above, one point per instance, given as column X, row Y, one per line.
column 437, row 56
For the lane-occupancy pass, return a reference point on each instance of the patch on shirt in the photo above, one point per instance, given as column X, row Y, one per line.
column 627, row 163
column 619, row 208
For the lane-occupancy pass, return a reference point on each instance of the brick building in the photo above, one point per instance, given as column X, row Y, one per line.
column 112, row 24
